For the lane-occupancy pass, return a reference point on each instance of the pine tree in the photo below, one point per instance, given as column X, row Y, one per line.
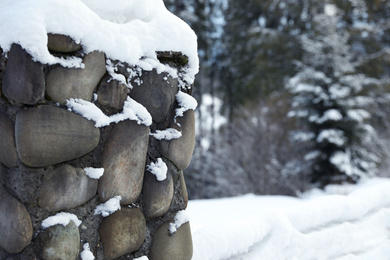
column 330, row 99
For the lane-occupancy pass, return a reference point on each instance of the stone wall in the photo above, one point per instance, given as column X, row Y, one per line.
column 47, row 151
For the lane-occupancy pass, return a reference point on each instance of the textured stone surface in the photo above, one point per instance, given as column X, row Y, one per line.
column 123, row 161
column 58, row 190
column 157, row 195
column 15, row 224
column 122, row 232
column 179, row 151
column 156, row 92
column 23, row 79
column 48, row 135
column 176, row 246
column 64, row 83
column 112, row 93
column 183, row 188
column 61, row 43
column 8, row 155
column 61, row 242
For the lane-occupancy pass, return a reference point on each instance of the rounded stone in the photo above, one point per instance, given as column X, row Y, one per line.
column 157, row 195
column 156, row 92
column 61, row 43
column 48, row 135
column 8, row 155
column 58, row 189
column 123, row 161
column 65, row 83
column 166, row 246
column 61, row 242
column 183, row 187
column 15, row 224
column 179, row 151
column 112, row 93
column 23, row 79
column 122, row 232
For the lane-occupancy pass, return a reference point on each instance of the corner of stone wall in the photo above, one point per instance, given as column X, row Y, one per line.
column 49, row 156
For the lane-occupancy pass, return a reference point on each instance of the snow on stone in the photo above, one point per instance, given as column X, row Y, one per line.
column 142, row 258
column 131, row 110
column 131, row 31
column 342, row 222
column 181, row 218
column 186, row 102
column 167, row 134
column 94, row 173
column 86, row 254
column 116, row 76
column 333, row 136
column 109, row 207
column 62, row 218
column 158, row 169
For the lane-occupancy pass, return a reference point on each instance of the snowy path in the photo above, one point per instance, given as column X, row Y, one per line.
column 355, row 225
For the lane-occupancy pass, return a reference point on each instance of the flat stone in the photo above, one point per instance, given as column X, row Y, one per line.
column 123, row 161
column 23, row 79
column 156, row 92
column 179, row 151
column 157, row 195
column 122, row 232
column 48, row 135
column 59, row 186
column 62, row 43
column 166, row 246
column 65, row 83
column 15, row 224
column 112, row 93
column 8, row 155
column 61, row 242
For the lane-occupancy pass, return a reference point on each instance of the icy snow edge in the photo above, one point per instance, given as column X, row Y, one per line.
column 130, row 31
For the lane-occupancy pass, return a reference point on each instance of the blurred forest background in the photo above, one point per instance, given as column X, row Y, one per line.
column 292, row 94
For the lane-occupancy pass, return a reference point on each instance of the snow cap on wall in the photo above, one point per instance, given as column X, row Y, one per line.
column 131, row 31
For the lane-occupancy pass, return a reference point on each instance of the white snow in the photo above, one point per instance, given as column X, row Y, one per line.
column 333, row 136
column 167, row 134
column 62, row 218
column 86, row 254
column 180, row 219
column 109, row 207
column 131, row 110
column 186, row 102
column 158, row 169
column 127, row 30
column 342, row 222
column 94, row 173
column 142, row 258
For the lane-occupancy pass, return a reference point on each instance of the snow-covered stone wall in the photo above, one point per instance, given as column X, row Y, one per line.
column 92, row 146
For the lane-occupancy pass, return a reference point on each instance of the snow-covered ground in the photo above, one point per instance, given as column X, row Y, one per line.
column 342, row 222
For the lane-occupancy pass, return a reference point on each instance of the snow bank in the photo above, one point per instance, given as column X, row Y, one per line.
column 344, row 222
column 128, row 30
column 62, row 218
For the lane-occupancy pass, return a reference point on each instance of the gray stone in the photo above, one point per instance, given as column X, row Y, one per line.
column 15, row 224
column 166, row 246
column 62, row 43
column 157, row 195
column 112, row 93
column 123, row 161
column 65, row 83
column 122, row 232
column 59, row 186
column 48, row 135
column 8, row 155
column 179, row 151
column 183, row 187
column 23, row 80
column 61, row 242
column 156, row 92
